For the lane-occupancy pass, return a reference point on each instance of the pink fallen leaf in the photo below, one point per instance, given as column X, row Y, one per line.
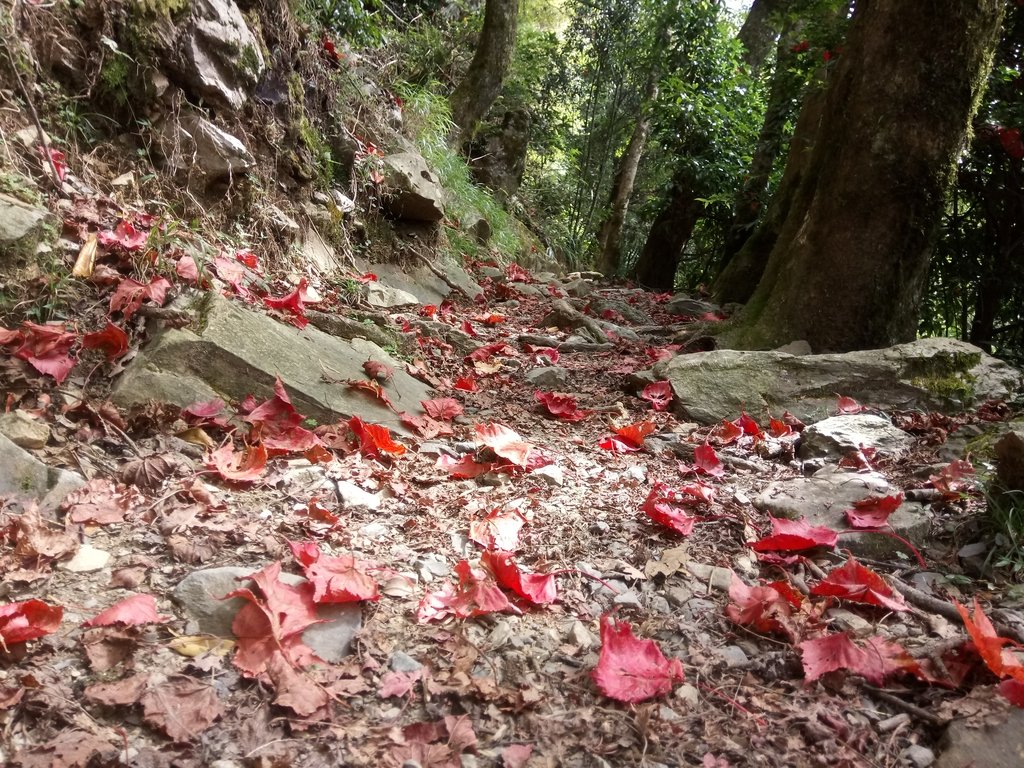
column 658, row 394
column 504, row 441
column 28, row 620
column 873, row 512
column 335, row 579
column 848, row 405
column 794, row 536
column 764, row 608
column 837, row 651
column 475, row 594
column 706, row 460
column 534, row 588
column 442, row 408
column 560, row 405
column 245, row 466
column 130, row 612
column 499, row 529
column 111, row 340
column 630, row 669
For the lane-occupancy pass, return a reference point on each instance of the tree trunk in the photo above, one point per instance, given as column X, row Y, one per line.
column 609, row 234
column 482, row 82
column 758, row 32
column 848, row 268
column 671, row 231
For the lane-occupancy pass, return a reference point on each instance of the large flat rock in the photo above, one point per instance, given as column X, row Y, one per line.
column 929, row 374
column 23, row 475
column 236, row 351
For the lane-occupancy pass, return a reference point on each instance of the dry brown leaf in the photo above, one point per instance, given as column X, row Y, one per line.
column 182, row 707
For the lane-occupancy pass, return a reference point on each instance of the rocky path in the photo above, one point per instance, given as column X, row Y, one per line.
column 491, row 538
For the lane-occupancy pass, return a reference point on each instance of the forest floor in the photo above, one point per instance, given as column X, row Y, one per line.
column 462, row 659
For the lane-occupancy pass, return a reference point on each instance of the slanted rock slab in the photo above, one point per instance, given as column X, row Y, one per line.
column 200, row 594
column 824, row 498
column 413, row 190
column 22, row 227
column 236, row 351
column 928, row 374
column 838, row 436
column 998, row 746
column 22, row 474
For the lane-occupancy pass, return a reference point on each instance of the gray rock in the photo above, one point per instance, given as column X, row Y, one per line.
column 579, row 289
column 799, row 347
column 22, row 474
column 214, row 54
column 200, row 596
column 22, row 228
column 317, row 251
column 552, row 474
column 24, row 431
column 838, row 436
column 548, row 377
column 237, row 351
column 918, row 756
column 419, row 280
column 1009, row 460
column 733, row 656
column 928, row 374
column 349, row 328
column 476, row 225
column 413, row 191
column 403, row 662
column 193, row 142
column 598, row 306
column 385, row 297
column 352, row 496
column 824, row 498
column 966, row 745
column 681, row 304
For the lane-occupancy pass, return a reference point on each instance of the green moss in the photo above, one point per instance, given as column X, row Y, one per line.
column 249, row 61
column 115, row 78
column 162, row 7
column 946, row 376
column 19, row 187
column 956, row 387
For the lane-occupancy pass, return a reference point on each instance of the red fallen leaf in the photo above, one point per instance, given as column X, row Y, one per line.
column 130, row 294
column 954, row 479
column 57, row 159
column 779, row 428
column 504, row 441
column 534, row 588
column 379, row 371
column 273, row 619
column 542, row 355
column 123, row 236
column 27, row 620
column 47, row 348
column 205, row 410
column 666, row 506
column 726, row 433
column 293, row 689
column 488, row 351
column 130, row 612
column 989, row 645
column 766, row 608
column 657, row 354
column 873, row 512
column 442, row 408
column 852, row 581
column 848, row 405
column 494, row 318
column 231, row 272
column 9, row 337
column 516, row 755
column 424, row 425
column 749, row 426
column 334, row 579
column 276, row 414
column 112, row 340
column 294, row 302
column 498, row 530
column 706, row 460
column 465, row 383
column 469, row 330
column 330, row 50
column 188, row 270
column 294, row 440
column 658, row 394
column 629, row 438
column 372, row 387
column 464, row 468
column 245, row 467
column 1013, row 690
column 100, row 501
column 630, row 669
column 374, row 439
column 837, row 651
column 517, row 274
column 398, row 683
column 428, row 311
column 367, row 277
column 795, row 535
column 560, row 405
column 475, row 594
column 1010, row 138
column 317, row 511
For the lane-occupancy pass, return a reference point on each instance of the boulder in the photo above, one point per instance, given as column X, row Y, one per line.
column 236, row 351
column 23, row 430
column 928, row 374
column 422, row 282
column 683, row 305
column 22, row 474
column 838, row 436
column 476, row 225
column 993, row 740
column 823, row 499
column 413, row 191
column 193, row 142
column 22, row 228
column 385, row 297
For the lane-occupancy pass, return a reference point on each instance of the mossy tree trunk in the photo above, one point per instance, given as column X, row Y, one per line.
column 482, row 82
column 848, row 268
column 759, row 31
column 609, row 234
column 670, row 232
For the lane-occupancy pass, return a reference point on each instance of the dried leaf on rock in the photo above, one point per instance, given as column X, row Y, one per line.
column 658, row 394
column 112, row 340
column 534, row 588
column 442, row 408
column 498, row 530
column 794, row 536
column 374, row 439
column 873, row 512
column 245, row 467
column 475, row 594
column 149, row 472
column 504, row 441
column 334, row 579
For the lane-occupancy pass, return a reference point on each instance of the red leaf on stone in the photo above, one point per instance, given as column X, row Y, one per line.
column 873, row 512
column 442, row 408
column 795, row 535
column 378, row 370
column 667, row 506
column 498, row 530
column 334, row 579
column 465, row 467
column 837, row 651
column 517, row 274
column 424, row 425
column 488, row 351
column 28, row 620
column 852, row 581
column 534, row 588
column 294, row 302
column 766, row 608
column 245, row 467
column 112, row 340
column 130, row 294
column 505, row 442
column 848, row 405
column 658, row 394
column 542, row 355
column 469, row 330
column 726, row 433
column 130, row 612
column 954, row 479
column 706, row 460
column 779, row 428
column 374, row 439
column 629, row 438
column 276, row 414
column 989, row 645
column 560, row 405
column 1012, row 689
column 372, row 387
column 630, row 669
column 748, row 426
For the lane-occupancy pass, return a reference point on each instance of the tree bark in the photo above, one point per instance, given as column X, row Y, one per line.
column 758, row 33
column 483, row 79
column 848, row 268
column 670, row 232
column 609, row 235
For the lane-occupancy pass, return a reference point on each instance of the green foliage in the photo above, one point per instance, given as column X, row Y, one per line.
column 428, row 119
column 358, row 21
column 1005, row 521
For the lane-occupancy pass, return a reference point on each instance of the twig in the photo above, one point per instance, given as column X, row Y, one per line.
column 925, row 601
column 35, row 119
column 906, row 706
